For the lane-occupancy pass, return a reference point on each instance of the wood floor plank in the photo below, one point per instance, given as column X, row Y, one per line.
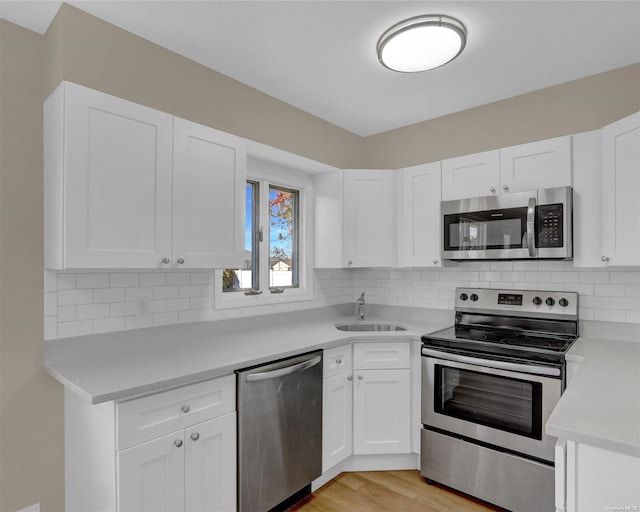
column 386, row 491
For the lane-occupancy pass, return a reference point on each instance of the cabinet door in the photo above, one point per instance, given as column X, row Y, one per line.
column 540, row 164
column 369, row 218
column 337, row 419
column 116, row 174
column 474, row 175
column 209, row 173
column 420, row 220
column 381, row 411
column 151, row 475
column 210, row 465
column 328, row 222
column 620, row 191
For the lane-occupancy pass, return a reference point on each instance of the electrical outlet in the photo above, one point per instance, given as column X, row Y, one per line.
column 141, row 306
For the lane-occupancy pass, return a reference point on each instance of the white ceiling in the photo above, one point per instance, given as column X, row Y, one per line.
column 320, row 55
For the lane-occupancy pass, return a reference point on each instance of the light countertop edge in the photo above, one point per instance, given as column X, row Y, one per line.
column 125, row 364
column 601, row 405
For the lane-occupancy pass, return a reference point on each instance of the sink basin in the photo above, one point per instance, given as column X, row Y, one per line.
column 369, row 327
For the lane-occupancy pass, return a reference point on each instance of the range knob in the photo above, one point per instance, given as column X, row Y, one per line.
column 563, row 302
column 463, row 296
column 537, row 301
column 474, row 297
column 549, row 301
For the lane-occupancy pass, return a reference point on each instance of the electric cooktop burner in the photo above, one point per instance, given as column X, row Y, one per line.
column 521, row 324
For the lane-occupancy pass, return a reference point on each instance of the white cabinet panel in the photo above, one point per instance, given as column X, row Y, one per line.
column 381, row 415
column 208, row 197
column 337, row 419
column 540, row 164
column 369, row 218
column 419, row 224
column 337, row 360
column 620, row 191
column 151, row 475
column 471, row 175
column 371, row 356
column 210, row 465
column 127, row 186
column 328, row 227
column 107, row 181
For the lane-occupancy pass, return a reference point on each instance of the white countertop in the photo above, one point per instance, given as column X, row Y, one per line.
column 601, row 405
column 119, row 365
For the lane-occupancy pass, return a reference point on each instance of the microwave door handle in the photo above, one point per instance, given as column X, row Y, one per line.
column 531, row 217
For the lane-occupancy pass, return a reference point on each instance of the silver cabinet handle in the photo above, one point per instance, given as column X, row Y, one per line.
column 178, row 443
column 435, row 262
column 180, row 261
column 185, row 409
column 287, row 370
column 492, row 189
column 166, row 261
column 195, row 436
column 531, row 219
column 505, row 187
column 349, row 378
column 338, row 361
column 350, row 262
column 359, row 377
column 604, row 259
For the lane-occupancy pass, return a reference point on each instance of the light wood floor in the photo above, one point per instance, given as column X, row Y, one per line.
column 385, row 491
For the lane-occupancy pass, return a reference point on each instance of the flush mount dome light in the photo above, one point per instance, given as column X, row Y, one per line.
column 421, row 43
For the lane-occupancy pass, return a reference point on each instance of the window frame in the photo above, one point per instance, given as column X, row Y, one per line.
column 285, row 179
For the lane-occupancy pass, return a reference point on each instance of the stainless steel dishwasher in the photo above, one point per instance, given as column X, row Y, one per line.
column 279, row 430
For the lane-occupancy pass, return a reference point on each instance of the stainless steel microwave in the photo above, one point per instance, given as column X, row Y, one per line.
column 522, row 225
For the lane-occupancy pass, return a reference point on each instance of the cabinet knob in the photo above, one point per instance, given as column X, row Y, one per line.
column 180, row 261
column 492, row 189
column 435, row 262
column 185, row 409
column 178, row 443
column 349, row 262
column 338, row 361
column 166, row 261
column 604, row 259
column 349, row 378
column 195, row 436
column 359, row 377
column 505, row 187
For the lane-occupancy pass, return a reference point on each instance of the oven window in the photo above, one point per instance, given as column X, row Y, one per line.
column 492, row 229
column 512, row 405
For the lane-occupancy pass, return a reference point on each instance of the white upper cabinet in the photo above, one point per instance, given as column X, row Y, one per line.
column 209, row 170
column 328, row 227
column 532, row 166
column 620, row 192
column 541, row 164
column 369, row 218
column 107, row 181
column 113, row 170
column 419, row 222
column 471, row 175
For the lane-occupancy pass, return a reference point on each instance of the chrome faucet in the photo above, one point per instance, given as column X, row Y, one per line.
column 360, row 303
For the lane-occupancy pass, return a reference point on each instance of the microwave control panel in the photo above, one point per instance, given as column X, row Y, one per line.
column 549, row 222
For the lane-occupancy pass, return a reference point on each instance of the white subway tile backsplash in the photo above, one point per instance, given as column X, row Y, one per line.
column 73, row 308
column 92, row 281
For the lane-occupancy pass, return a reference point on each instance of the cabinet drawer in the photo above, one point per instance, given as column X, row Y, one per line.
column 381, row 355
column 146, row 418
column 337, row 360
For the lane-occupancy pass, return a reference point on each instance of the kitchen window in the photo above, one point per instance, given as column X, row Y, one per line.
column 275, row 267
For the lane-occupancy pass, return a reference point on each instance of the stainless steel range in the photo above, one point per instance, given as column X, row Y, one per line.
column 489, row 384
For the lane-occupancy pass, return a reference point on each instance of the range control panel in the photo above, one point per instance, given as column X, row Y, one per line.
column 533, row 303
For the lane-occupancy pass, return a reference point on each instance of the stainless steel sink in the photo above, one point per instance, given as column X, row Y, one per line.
column 369, row 327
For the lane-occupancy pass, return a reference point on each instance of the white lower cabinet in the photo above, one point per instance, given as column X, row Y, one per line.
column 381, row 398
column 170, row 451
column 590, row 479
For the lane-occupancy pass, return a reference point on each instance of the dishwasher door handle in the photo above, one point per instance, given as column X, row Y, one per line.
column 287, row 370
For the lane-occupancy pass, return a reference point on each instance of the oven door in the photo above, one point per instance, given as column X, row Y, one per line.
column 503, row 407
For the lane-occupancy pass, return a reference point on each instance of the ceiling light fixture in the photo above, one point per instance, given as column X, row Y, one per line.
column 421, row 43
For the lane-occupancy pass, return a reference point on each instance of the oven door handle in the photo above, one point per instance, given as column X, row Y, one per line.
column 501, row 365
